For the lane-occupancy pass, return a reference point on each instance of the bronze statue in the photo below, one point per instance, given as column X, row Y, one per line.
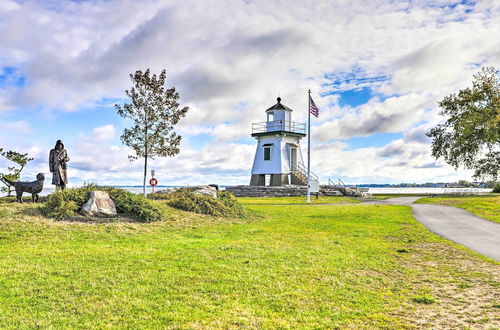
column 58, row 157
column 34, row 188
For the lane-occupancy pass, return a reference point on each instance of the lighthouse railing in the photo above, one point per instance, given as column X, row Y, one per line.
column 279, row 125
column 299, row 167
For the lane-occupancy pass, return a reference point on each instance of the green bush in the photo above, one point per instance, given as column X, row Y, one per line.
column 231, row 202
column 64, row 204
column 136, row 205
column 185, row 200
column 59, row 206
column 157, row 196
column 80, row 195
column 496, row 188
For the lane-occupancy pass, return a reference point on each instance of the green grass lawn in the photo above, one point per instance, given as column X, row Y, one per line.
column 296, row 200
column 354, row 266
column 485, row 206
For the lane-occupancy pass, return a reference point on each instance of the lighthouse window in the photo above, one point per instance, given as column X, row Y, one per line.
column 267, row 153
column 270, row 116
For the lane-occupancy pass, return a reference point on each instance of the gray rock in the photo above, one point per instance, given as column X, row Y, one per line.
column 205, row 191
column 167, row 191
column 99, row 205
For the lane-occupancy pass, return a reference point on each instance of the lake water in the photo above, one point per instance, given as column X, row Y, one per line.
column 388, row 190
column 136, row 190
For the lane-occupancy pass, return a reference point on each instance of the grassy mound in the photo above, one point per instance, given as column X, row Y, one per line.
column 65, row 204
column 297, row 267
column 226, row 205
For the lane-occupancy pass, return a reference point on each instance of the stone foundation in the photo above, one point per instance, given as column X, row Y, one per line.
column 279, row 191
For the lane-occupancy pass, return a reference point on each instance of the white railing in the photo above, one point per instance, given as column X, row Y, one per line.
column 278, row 125
column 299, row 167
column 340, row 184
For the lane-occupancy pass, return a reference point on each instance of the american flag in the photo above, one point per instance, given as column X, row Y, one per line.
column 313, row 109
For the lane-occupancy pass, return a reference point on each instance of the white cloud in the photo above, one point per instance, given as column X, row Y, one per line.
column 229, row 60
column 394, row 114
column 15, row 127
column 103, row 133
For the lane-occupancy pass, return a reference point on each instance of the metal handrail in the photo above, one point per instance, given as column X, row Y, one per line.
column 279, row 125
column 340, row 183
column 299, row 167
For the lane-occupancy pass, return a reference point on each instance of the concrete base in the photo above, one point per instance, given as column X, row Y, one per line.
column 258, row 180
column 279, row 179
column 275, row 180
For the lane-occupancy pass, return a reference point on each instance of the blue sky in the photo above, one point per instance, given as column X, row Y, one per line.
column 376, row 69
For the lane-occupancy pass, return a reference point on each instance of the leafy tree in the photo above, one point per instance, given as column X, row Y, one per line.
column 154, row 111
column 471, row 134
column 14, row 172
column 464, row 183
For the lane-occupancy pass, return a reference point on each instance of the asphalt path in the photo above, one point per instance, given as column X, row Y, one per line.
column 454, row 224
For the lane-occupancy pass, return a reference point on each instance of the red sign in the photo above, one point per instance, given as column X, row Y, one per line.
column 153, row 182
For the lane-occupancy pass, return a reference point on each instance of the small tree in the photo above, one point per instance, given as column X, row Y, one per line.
column 154, row 111
column 471, row 134
column 14, row 172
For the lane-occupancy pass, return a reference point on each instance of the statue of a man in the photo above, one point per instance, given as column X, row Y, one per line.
column 58, row 157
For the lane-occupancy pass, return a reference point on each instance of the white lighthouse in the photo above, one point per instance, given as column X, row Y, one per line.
column 278, row 158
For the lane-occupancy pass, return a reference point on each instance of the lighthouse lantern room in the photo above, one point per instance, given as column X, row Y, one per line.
column 278, row 158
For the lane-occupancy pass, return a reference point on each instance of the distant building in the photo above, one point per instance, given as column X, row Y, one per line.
column 278, row 157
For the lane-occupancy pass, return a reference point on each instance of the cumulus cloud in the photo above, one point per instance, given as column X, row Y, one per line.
column 397, row 162
column 229, row 60
column 103, row 133
column 16, row 127
column 395, row 114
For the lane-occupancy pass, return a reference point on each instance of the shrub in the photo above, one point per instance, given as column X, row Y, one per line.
column 231, row 202
column 185, row 200
column 66, row 203
column 80, row 195
column 157, row 196
column 496, row 188
column 59, row 206
column 136, row 205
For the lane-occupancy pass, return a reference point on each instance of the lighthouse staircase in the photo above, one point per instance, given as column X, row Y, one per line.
column 299, row 175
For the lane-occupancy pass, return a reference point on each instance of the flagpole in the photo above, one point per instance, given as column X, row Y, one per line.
column 309, row 149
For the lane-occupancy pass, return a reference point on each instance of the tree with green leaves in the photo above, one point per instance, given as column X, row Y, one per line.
column 154, row 111
column 470, row 136
column 14, row 172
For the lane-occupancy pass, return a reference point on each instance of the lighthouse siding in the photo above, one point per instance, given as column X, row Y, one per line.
column 282, row 115
column 280, row 154
column 272, row 166
column 287, row 143
column 278, row 145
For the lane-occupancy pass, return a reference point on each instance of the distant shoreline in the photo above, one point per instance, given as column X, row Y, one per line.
column 374, row 190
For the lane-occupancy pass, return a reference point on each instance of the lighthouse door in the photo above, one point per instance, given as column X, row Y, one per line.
column 293, row 158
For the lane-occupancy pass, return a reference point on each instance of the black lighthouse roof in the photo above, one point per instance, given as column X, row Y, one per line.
column 279, row 106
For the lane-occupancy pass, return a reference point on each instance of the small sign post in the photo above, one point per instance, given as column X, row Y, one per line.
column 153, row 182
column 314, row 187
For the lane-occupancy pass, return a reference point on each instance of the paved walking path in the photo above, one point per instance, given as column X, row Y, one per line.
column 454, row 224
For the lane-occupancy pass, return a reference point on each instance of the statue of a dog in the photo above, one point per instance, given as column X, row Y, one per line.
column 34, row 188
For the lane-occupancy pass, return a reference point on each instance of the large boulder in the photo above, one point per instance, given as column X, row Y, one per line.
column 99, row 205
column 205, row 191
